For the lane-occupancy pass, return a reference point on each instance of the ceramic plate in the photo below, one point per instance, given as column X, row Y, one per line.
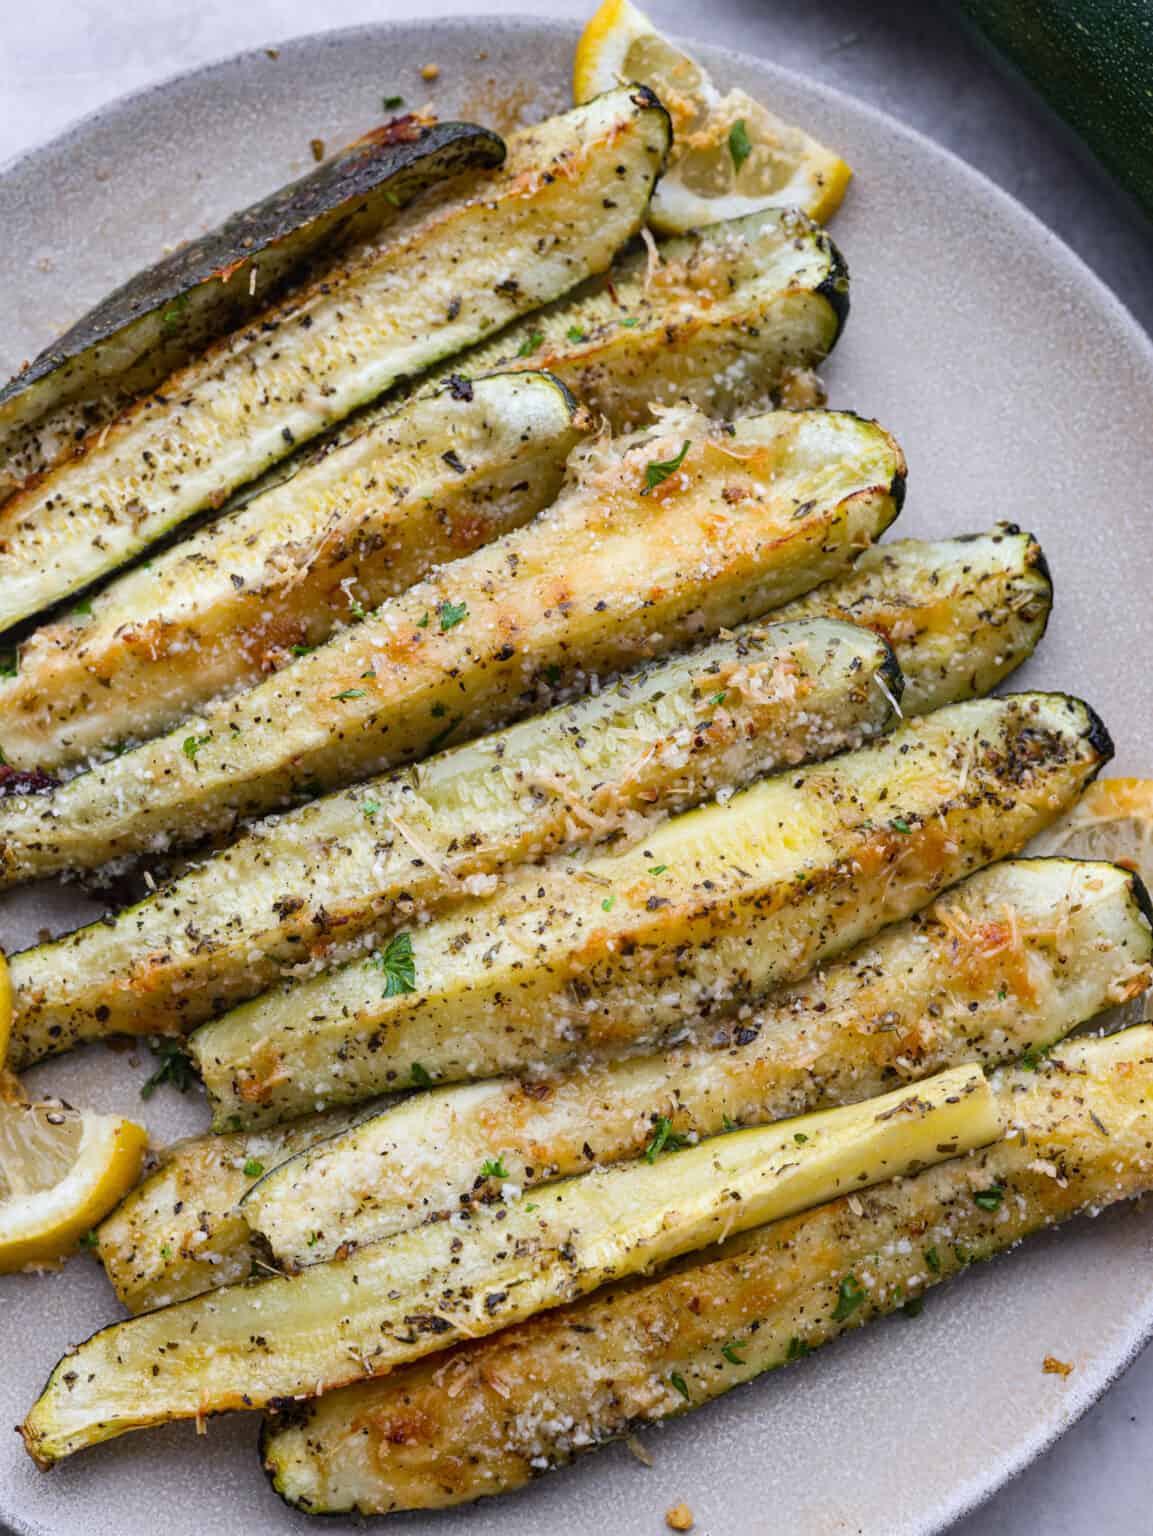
column 1020, row 389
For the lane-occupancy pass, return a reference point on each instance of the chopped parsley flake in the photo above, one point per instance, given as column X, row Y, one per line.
column 529, row 345
column 574, row 333
column 303, row 650
column 730, row 1353
column 899, row 824
column 658, row 869
column 658, row 471
column 397, row 962
column 370, row 807
column 665, row 1139
column 451, row 614
column 989, row 1199
column 797, row 1349
column 850, row 1295
column 193, row 744
column 608, row 903
column 89, row 1240
column 253, row 1168
column 678, row 1381
column 420, row 1077
column 82, row 610
column 933, row 1260
column 174, row 1068
column 392, row 102
column 349, row 693
column 422, row 622
column 740, row 145
column 494, row 1168
column 800, row 1138
column 719, row 698
column 630, row 321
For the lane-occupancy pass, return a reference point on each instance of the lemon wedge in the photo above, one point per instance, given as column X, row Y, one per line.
column 61, row 1171
column 1113, row 820
column 730, row 156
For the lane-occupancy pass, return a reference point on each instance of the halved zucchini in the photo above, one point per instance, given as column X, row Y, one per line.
column 232, row 926
column 633, row 560
column 179, row 1232
column 249, row 1346
column 444, row 475
column 164, row 315
column 960, row 614
column 449, row 271
column 1004, row 964
column 304, row 889
column 1008, row 962
column 706, row 913
column 493, row 1415
column 719, row 318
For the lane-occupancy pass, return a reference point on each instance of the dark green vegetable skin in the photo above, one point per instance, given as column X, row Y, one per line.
column 1093, row 63
column 161, row 317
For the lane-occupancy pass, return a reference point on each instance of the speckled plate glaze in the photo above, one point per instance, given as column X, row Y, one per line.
column 1020, row 389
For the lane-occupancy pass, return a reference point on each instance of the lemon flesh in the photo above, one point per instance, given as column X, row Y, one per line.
column 60, row 1172
column 731, row 156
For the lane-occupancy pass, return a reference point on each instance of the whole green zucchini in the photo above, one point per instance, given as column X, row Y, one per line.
column 448, row 271
column 1006, row 963
column 445, row 474
column 659, row 539
column 160, row 318
column 251, row 1345
column 704, row 914
column 494, row 1414
column 961, row 612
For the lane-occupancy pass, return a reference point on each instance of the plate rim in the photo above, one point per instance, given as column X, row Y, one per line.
column 964, row 1501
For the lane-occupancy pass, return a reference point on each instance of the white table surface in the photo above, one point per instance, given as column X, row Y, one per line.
column 62, row 58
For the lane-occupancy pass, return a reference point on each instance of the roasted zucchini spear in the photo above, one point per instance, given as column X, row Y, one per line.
column 492, row 1415
column 1007, row 963
column 442, row 476
column 163, row 316
column 1003, row 964
column 249, row 1346
column 449, row 271
column 960, row 614
column 719, row 318
column 575, row 775
column 661, row 538
column 707, row 912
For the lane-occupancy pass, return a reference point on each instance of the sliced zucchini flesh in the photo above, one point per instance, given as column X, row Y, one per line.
column 179, row 1232
column 720, row 318
column 621, row 951
column 305, row 888
column 628, row 563
column 1006, row 963
column 448, row 271
column 502, row 1410
column 159, row 319
column 409, row 1296
column 442, row 476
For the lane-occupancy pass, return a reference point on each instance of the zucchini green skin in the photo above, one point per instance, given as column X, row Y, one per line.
column 720, row 320
column 450, row 270
column 224, row 931
column 490, row 1416
column 609, row 574
column 604, row 767
column 253, row 1345
column 1008, row 962
column 444, row 475
column 162, row 316
column 709, row 911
